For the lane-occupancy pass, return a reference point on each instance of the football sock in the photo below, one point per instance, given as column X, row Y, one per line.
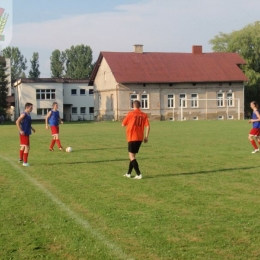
column 52, row 143
column 130, row 168
column 136, row 166
column 21, row 154
column 58, row 143
column 25, row 157
column 254, row 144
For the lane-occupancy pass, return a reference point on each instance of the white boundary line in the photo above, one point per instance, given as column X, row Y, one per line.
column 117, row 251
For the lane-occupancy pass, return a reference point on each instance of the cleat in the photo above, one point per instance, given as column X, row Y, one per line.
column 127, row 175
column 138, row 177
column 61, row 149
column 20, row 161
column 255, row 151
column 26, row 164
column 51, row 149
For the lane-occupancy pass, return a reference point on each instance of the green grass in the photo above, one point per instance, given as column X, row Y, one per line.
column 199, row 198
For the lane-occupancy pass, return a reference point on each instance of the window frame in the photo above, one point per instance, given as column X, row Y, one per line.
column 220, row 100
column 73, row 89
column 82, row 90
column 183, row 99
column 171, row 101
column 45, row 94
column 133, row 99
column 145, row 101
column 194, row 101
column 230, row 100
column 74, row 113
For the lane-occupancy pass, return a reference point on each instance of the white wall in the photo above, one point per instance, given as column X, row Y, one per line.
column 77, row 101
column 27, row 93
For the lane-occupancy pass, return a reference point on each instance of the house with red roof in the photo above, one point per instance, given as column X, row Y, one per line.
column 170, row 86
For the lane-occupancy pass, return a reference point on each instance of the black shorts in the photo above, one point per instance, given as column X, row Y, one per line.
column 133, row 147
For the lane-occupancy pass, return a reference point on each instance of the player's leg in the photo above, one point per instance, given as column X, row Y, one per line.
column 252, row 140
column 58, row 142
column 21, row 152
column 57, row 130
column 26, row 150
column 133, row 150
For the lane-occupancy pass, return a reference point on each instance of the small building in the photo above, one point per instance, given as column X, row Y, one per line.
column 170, row 86
column 74, row 97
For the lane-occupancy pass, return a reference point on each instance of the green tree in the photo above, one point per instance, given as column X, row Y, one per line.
column 34, row 72
column 18, row 62
column 245, row 42
column 78, row 61
column 57, row 64
column 3, row 86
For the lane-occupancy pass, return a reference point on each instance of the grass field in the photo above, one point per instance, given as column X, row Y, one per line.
column 199, row 198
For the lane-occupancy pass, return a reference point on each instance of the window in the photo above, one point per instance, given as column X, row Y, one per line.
column 230, row 117
column 82, row 110
column 73, row 92
column 90, row 91
column 195, row 118
column 144, row 101
column 220, row 117
column 133, row 97
column 91, row 110
column 74, row 110
column 43, row 111
column 220, row 101
column 170, row 98
column 82, row 91
column 42, row 94
column 183, row 100
column 230, row 99
column 194, row 101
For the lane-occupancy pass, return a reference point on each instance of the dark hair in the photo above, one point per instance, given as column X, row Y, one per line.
column 28, row 105
column 255, row 104
column 54, row 103
column 137, row 104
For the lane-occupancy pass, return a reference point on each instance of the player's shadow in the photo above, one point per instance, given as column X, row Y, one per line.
column 100, row 149
column 86, row 162
column 199, row 172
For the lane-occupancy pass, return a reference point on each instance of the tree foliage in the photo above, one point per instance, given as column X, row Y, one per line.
column 245, row 42
column 57, row 64
column 18, row 62
column 34, row 72
column 78, row 62
column 3, row 86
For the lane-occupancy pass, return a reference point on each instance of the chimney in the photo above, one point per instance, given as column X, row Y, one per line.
column 196, row 49
column 138, row 48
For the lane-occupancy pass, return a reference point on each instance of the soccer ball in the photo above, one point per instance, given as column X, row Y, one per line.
column 68, row 149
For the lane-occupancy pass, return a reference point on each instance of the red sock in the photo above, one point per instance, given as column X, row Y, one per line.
column 21, row 155
column 58, row 143
column 52, row 143
column 254, row 144
column 25, row 157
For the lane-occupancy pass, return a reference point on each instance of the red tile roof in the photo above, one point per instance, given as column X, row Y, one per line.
column 154, row 67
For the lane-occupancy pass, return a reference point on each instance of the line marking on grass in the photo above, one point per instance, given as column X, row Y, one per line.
column 117, row 251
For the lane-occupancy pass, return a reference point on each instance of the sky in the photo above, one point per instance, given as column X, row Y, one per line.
column 116, row 25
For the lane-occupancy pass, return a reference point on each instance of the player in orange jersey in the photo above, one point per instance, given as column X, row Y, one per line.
column 135, row 121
